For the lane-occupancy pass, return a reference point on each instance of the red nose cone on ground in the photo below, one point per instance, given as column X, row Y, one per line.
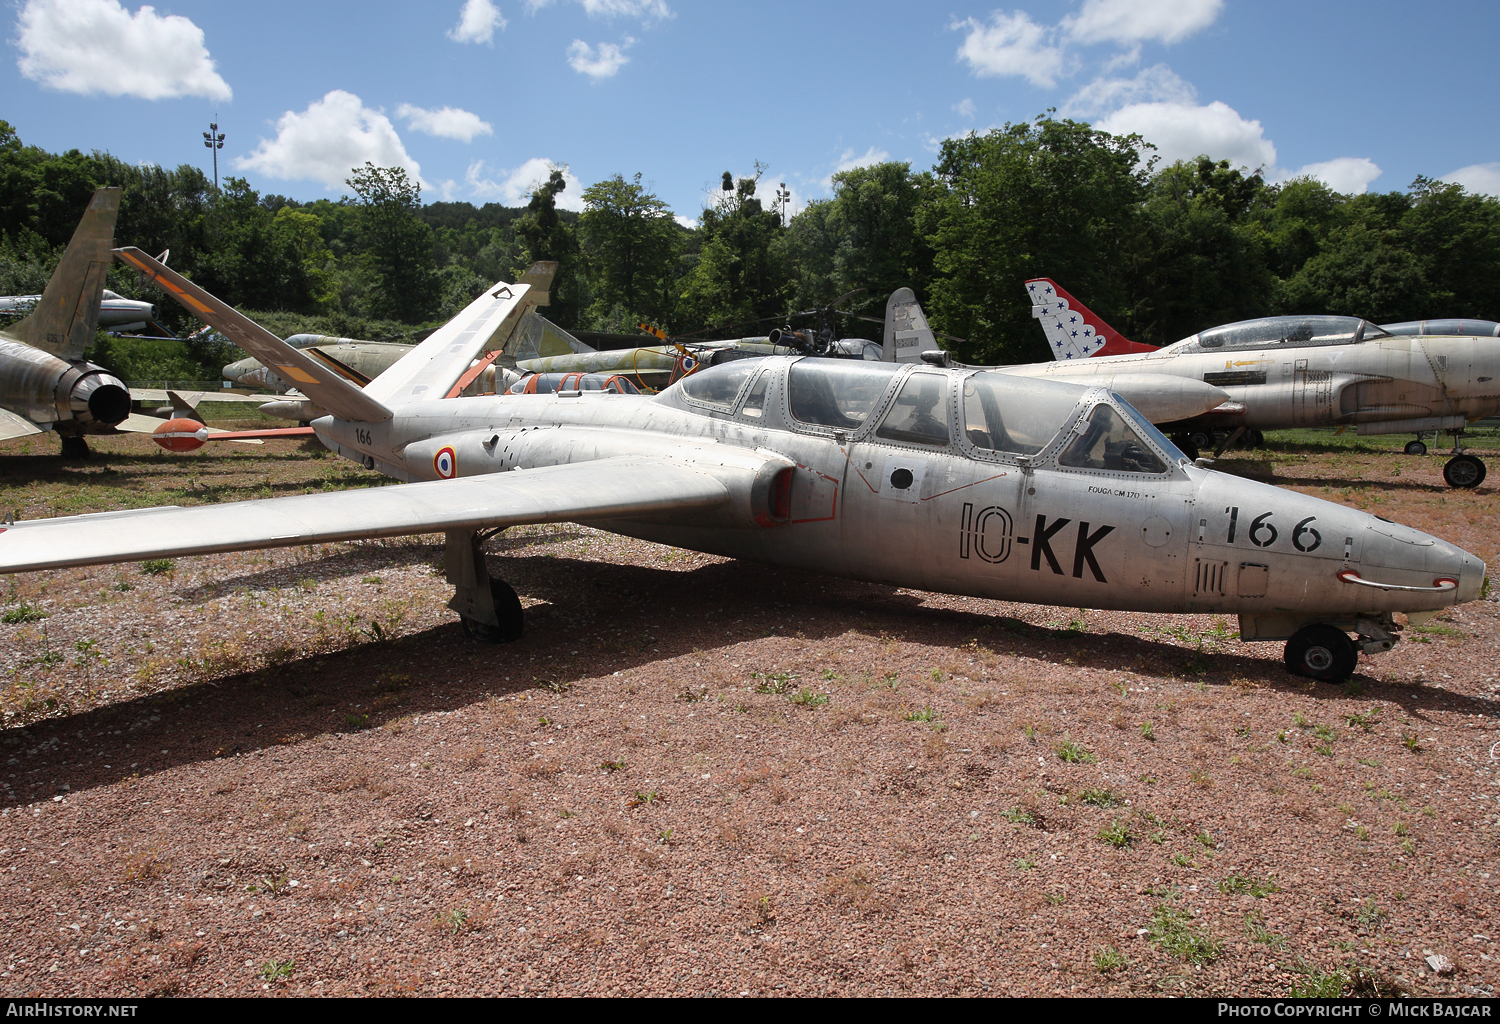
column 180, row 435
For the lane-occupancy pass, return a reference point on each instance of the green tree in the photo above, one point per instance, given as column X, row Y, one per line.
column 545, row 235
column 740, row 275
column 629, row 240
column 1199, row 260
column 397, row 244
column 1054, row 198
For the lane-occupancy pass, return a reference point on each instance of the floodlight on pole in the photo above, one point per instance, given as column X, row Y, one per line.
column 783, row 197
column 214, row 140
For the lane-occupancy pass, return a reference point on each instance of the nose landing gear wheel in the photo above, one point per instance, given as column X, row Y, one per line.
column 507, row 610
column 1464, row 471
column 1416, row 448
column 1322, row 653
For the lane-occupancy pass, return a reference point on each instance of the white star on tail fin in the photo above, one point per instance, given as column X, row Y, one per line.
column 1073, row 330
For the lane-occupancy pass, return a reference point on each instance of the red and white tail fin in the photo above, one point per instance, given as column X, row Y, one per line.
column 1073, row 330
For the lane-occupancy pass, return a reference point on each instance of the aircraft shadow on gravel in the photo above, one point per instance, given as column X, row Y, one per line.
column 585, row 606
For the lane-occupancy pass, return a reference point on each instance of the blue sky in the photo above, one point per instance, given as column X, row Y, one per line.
column 479, row 96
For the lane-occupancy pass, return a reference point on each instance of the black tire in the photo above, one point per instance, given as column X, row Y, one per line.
column 1322, row 653
column 1201, row 439
column 1185, row 445
column 1253, row 439
column 75, row 447
column 1464, row 471
column 507, row 609
column 1416, row 448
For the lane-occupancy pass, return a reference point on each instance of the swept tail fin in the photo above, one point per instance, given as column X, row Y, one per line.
column 318, row 381
column 431, row 369
column 64, row 321
column 907, row 334
column 1073, row 330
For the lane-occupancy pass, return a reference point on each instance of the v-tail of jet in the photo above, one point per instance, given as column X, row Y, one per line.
column 1073, row 330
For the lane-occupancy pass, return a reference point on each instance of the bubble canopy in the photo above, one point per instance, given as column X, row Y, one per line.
column 1281, row 332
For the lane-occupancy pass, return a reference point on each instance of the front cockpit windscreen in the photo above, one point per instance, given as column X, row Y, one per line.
column 1019, row 415
column 718, row 386
column 920, row 412
column 1108, row 442
column 1282, row 331
column 838, row 393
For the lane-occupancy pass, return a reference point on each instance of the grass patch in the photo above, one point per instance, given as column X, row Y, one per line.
column 1171, row 930
column 1072, row 753
column 1260, row 888
column 161, row 567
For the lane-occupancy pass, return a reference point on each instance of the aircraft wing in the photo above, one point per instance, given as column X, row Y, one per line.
column 614, row 488
column 12, row 425
column 318, row 381
column 193, row 398
column 138, row 423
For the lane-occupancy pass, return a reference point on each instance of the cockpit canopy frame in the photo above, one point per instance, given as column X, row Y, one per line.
column 1279, row 332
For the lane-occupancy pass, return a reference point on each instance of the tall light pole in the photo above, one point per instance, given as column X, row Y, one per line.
column 783, row 197
column 214, row 140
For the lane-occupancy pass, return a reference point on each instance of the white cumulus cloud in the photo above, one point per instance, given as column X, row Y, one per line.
column 848, row 161
column 477, row 23
column 604, row 62
column 514, row 188
column 97, row 46
column 1011, row 44
column 1348, row 174
column 1479, row 178
column 1156, row 84
column 445, row 123
column 327, row 141
column 646, row 10
column 1136, row 21
column 1182, row 131
column 964, row 108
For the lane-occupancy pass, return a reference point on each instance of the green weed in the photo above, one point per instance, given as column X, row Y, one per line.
column 1071, row 752
column 1171, row 931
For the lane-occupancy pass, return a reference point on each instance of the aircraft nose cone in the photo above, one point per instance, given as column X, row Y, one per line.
column 1470, row 579
column 1401, row 555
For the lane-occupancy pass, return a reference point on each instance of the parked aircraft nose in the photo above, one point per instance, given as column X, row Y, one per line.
column 1436, row 572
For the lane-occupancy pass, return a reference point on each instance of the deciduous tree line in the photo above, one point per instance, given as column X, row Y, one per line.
column 1159, row 251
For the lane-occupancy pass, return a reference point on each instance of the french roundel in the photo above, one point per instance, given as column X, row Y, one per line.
column 689, row 364
column 445, row 463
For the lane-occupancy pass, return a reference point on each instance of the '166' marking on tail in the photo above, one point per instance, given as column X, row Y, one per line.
column 1083, row 550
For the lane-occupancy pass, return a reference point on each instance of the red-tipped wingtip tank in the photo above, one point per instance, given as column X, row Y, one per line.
column 180, row 435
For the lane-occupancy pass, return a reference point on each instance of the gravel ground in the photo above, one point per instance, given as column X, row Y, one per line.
column 289, row 773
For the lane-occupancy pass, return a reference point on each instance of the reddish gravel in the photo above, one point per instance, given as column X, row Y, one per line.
column 227, row 779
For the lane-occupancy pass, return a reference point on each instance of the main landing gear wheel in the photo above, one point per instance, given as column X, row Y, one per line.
column 1464, row 471
column 1201, row 439
column 1416, row 448
column 75, row 448
column 1254, row 439
column 1322, row 653
column 507, row 610
column 1185, row 445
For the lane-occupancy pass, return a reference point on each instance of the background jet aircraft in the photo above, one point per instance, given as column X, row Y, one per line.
column 1300, row 371
column 116, row 313
column 45, row 383
column 966, row 482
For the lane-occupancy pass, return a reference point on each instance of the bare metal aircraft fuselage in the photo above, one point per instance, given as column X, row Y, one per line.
column 963, row 481
column 969, row 520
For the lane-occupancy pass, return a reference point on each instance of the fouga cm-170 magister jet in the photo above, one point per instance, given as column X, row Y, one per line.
column 962, row 481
